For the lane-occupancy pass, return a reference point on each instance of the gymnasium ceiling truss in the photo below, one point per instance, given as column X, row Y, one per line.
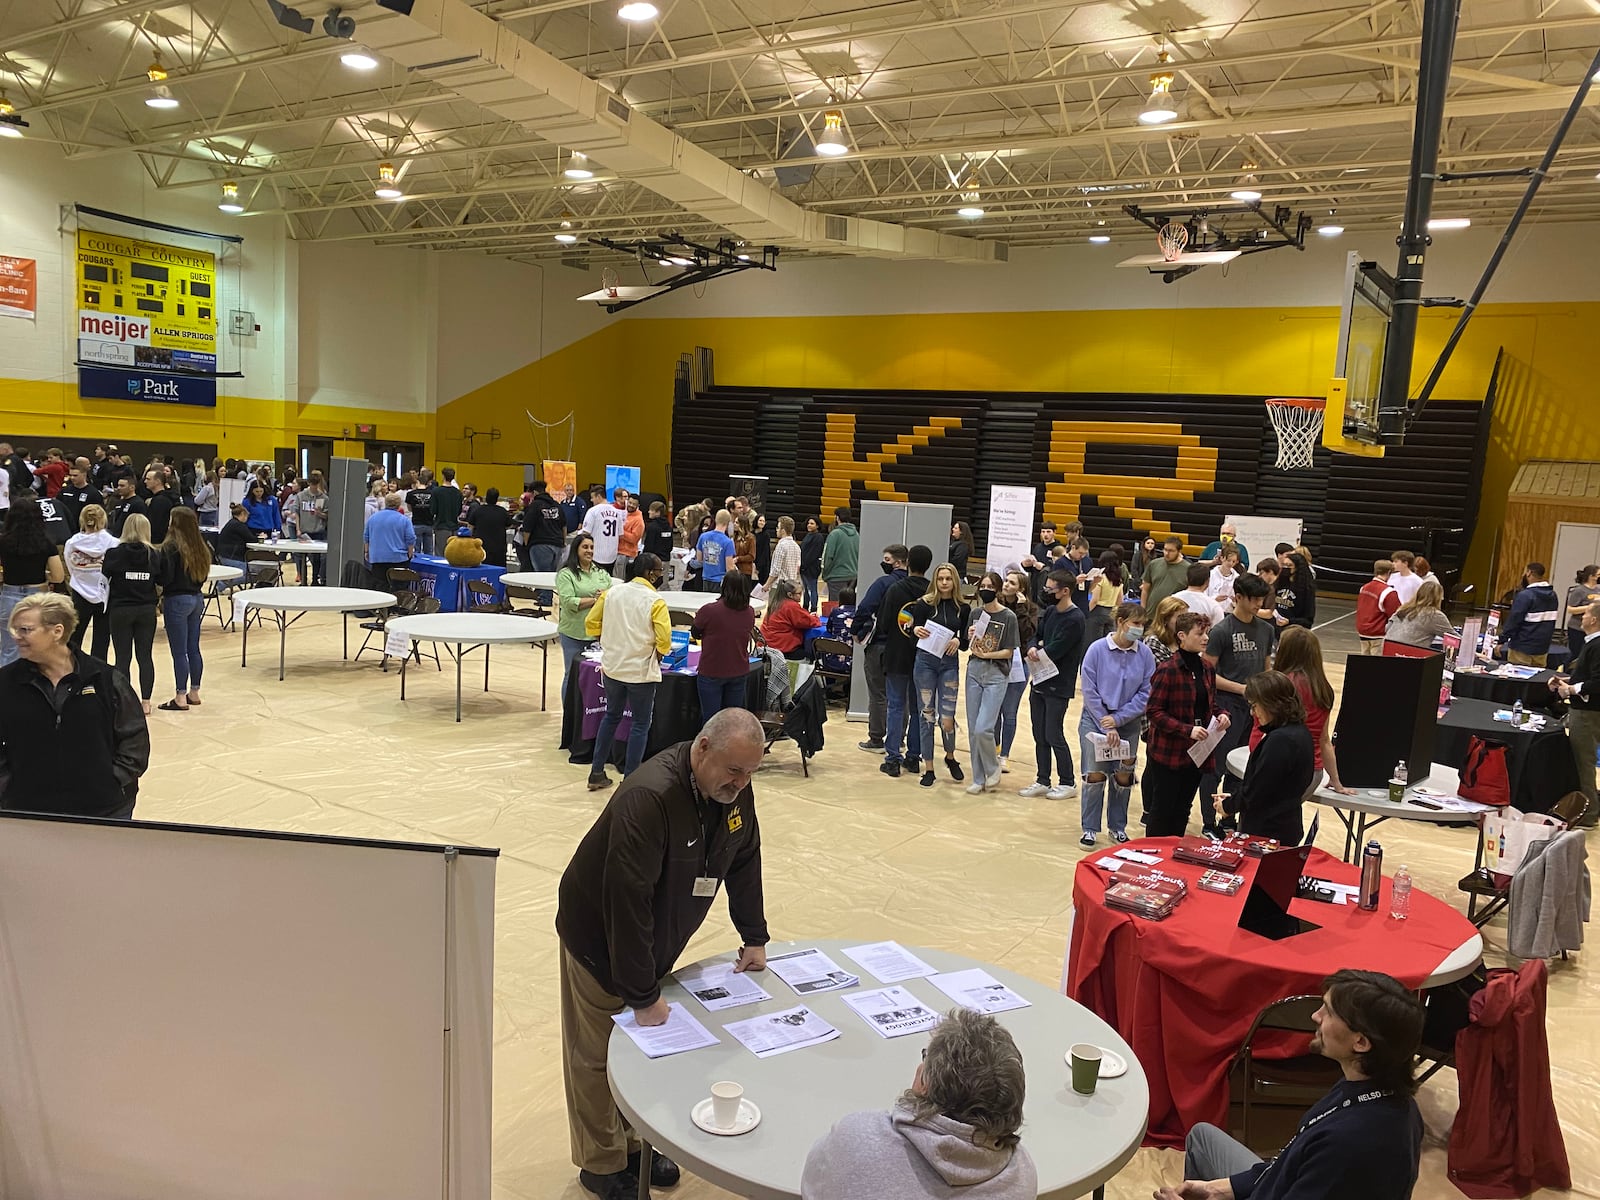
column 1025, row 109
column 1248, row 228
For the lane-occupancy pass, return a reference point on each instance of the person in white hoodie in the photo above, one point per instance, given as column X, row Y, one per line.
column 951, row 1136
column 84, row 552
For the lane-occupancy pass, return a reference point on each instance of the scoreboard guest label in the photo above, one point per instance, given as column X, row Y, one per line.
column 146, row 305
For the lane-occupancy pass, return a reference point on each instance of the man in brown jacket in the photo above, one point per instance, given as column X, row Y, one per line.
column 637, row 889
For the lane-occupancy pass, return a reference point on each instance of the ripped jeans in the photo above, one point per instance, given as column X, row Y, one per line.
column 936, row 681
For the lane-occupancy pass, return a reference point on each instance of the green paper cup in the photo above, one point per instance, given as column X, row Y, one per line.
column 1085, row 1067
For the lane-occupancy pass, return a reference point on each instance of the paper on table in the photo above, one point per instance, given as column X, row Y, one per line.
column 1104, row 752
column 1044, row 669
column 238, row 606
column 1202, row 749
column 890, row 961
column 893, row 1011
column 681, row 1032
column 1138, row 856
column 396, row 644
column 808, row 971
column 778, row 1033
column 978, row 989
column 938, row 639
column 1111, row 864
column 716, row 986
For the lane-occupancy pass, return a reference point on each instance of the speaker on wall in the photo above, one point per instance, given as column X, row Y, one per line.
column 1388, row 713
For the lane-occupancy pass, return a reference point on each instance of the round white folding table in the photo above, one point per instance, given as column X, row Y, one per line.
column 1077, row 1142
column 280, row 601
column 287, row 546
column 215, row 578
column 468, row 631
column 533, row 579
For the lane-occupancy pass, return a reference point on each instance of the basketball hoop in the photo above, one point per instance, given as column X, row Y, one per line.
column 1298, row 424
column 608, row 280
column 1171, row 238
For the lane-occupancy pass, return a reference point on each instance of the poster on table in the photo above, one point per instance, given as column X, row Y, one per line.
column 621, row 477
column 1010, row 527
column 19, row 287
column 560, row 475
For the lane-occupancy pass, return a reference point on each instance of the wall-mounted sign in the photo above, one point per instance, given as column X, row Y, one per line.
column 19, row 287
column 115, row 383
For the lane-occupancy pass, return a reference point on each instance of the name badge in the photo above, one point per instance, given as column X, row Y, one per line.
column 705, row 886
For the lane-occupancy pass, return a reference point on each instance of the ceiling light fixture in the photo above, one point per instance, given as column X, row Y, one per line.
column 11, row 125
column 358, row 60
column 1247, row 187
column 155, row 72
column 387, row 188
column 1099, row 239
column 1450, row 223
column 832, row 141
column 638, row 10
column 162, row 97
column 1160, row 107
column 1329, row 230
column 564, row 235
column 970, row 208
column 230, row 198
column 578, row 167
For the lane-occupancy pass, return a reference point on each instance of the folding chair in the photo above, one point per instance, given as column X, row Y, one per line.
column 481, row 597
column 834, row 661
column 1283, row 1082
column 270, row 577
column 402, row 581
column 1492, row 889
column 516, row 591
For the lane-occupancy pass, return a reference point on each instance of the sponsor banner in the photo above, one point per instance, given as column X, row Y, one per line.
column 159, row 300
column 19, row 287
column 559, row 474
column 1010, row 527
column 107, row 383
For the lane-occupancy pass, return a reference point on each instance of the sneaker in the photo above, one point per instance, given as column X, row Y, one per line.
column 599, row 781
column 913, row 766
column 869, row 744
column 664, row 1173
column 975, row 789
column 1004, row 770
column 1086, row 840
column 1119, row 836
column 1035, row 790
column 619, row 1185
column 1065, row 792
column 927, row 779
column 954, row 768
column 890, row 767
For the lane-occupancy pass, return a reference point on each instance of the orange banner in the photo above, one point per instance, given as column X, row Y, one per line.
column 19, row 287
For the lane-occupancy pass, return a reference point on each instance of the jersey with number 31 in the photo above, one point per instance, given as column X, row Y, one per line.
column 604, row 524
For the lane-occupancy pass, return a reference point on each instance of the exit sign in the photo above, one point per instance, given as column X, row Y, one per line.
column 366, row 431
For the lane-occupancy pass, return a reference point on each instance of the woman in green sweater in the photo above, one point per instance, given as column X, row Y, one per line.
column 577, row 584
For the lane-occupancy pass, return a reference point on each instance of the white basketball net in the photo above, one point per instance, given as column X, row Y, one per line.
column 608, row 280
column 1171, row 239
column 1298, row 428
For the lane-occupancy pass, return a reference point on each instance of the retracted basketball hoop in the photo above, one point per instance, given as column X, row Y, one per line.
column 1298, row 424
column 1171, row 238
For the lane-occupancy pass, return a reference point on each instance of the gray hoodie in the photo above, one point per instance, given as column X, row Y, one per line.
column 892, row 1156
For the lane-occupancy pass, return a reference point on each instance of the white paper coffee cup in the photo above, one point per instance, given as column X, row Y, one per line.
column 725, row 1098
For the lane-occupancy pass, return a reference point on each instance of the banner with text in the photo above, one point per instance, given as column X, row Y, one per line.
column 112, row 383
column 146, row 305
column 19, row 287
column 1010, row 527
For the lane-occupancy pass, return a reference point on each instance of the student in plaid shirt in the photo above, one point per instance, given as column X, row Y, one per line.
column 1183, row 698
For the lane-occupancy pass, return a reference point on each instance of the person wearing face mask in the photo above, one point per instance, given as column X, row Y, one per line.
column 992, row 638
column 679, row 831
column 1014, row 595
column 1116, row 675
column 1183, row 699
column 635, row 634
column 872, row 629
column 1059, row 639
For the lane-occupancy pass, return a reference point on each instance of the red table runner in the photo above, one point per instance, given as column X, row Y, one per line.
column 1183, row 992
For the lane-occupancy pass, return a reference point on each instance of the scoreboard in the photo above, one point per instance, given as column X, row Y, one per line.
column 146, row 305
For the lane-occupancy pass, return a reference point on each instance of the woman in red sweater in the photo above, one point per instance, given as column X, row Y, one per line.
column 723, row 629
column 1299, row 656
column 787, row 621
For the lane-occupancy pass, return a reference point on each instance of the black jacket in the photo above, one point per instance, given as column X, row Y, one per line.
column 1356, row 1143
column 121, row 511
column 899, row 647
column 1060, row 637
column 73, row 500
column 627, row 907
column 78, row 748
column 1585, row 669
column 543, row 523
column 132, row 571
column 658, row 538
column 811, row 554
column 1268, row 801
column 159, row 511
column 491, row 523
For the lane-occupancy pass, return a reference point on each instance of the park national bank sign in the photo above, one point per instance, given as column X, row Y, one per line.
column 147, row 326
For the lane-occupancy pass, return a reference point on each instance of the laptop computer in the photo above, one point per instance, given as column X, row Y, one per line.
column 1266, row 905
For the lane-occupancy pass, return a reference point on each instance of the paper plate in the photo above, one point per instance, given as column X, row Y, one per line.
column 749, row 1117
column 1112, row 1064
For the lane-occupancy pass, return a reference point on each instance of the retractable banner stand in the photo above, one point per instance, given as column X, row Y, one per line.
column 560, row 474
column 752, row 487
column 884, row 523
column 1010, row 527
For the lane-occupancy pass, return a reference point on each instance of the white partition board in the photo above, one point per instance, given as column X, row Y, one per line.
column 884, row 523
column 189, row 1014
column 1259, row 535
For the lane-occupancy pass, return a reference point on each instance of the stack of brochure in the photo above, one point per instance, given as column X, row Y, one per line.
column 1145, row 892
column 1207, row 853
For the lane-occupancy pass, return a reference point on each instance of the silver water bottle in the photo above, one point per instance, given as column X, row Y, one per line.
column 1371, row 875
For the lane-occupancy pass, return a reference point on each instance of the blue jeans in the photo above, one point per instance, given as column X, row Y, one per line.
column 983, row 706
column 640, row 700
column 808, row 585
column 1097, row 779
column 182, row 616
column 544, row 558
column 10, row 594
column 1005, row 728
column 571, row 647
column 937, row 681
column 718, row 694
column 899, row 703
column 424, row 538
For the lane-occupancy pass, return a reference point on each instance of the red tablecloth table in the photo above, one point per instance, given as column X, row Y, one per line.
column 1183, row 992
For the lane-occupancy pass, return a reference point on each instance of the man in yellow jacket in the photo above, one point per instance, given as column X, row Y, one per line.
column 635, row 634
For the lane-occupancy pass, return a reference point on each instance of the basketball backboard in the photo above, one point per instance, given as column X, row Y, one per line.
column 1197, row 258
column 624, row 292
column 1351, row 424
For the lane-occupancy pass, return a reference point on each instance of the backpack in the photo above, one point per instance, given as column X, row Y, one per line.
column 1485, row 772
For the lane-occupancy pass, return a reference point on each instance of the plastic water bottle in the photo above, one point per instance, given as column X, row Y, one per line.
column 1400, row 894
column 1371, row 875
column 1516, row 715
column 1397, row 782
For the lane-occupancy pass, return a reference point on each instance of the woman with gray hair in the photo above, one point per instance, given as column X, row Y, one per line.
column 952, row 1134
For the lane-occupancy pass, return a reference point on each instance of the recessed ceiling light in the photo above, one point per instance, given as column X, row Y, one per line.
column 162, row 97
column 832, row 141
column 358, row 60
column 1099, row 239
column 638, row 10
column 578, row 167
column 1450, row 223
column 230, row 198
column 1330, row 230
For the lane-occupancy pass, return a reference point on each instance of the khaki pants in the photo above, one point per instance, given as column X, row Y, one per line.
column 1525, row 660
column 1372, row 646
column 600, row 1138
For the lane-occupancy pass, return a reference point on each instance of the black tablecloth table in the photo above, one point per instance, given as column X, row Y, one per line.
column 1540, row 763
column 676, row 717
column 1534, row 692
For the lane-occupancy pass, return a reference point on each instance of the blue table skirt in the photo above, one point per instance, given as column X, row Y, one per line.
column 449, row 584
